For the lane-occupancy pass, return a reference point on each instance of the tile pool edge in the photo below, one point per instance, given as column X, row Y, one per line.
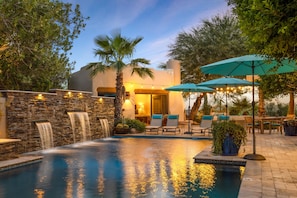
column 220, row 161
column 206, row 156
column 162, row 136
column 18, row 162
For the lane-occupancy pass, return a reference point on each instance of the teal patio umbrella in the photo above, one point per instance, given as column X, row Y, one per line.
column 250, row 65
column 225, row 82
column 189, row 87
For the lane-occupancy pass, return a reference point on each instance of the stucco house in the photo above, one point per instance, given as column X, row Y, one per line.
column 144, row 96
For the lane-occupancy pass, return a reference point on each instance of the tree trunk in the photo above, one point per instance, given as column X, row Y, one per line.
column 119, row 97
column 291, row 110
column 195, row 107
column 261, row 110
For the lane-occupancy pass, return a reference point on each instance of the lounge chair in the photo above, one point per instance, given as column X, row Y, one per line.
column 155, row 123
column 205, row 125
column 223, row 118
column 172, row 124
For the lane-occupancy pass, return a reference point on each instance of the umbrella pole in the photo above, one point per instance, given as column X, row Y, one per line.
column 189, row 123
column 253, row 156
column 189, row 113
column 226, row 100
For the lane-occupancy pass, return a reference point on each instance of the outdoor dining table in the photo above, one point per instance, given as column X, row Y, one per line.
column 263, row 120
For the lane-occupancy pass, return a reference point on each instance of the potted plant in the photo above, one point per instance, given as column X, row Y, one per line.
column 228, row 137
column 290, row 127
column 122, row 128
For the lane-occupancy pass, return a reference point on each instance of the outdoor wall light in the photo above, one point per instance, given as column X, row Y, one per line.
column 40, row 97
column 68, row 95
column 80, row 95
column 127, row 95
column 100, row 100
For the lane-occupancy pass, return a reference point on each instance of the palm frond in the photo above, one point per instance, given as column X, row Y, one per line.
column 96, row 67
column 143, row 72
column 139, row 61
column 162, row 66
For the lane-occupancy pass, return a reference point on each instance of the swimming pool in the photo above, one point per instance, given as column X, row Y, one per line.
column 123, row 167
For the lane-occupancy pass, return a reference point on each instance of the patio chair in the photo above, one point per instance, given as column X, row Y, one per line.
column 171, row 124
column 205, row 125
column 248, row 123
column 276, row 125
column 155, row 123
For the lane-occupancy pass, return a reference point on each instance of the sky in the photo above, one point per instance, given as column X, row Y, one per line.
column 158, row 21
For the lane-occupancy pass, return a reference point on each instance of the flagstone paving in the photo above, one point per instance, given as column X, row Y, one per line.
column 277, row 175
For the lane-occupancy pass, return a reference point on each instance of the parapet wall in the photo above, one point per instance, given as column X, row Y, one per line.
column 24, row 109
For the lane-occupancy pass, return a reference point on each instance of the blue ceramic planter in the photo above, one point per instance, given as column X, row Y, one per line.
column 229, row 147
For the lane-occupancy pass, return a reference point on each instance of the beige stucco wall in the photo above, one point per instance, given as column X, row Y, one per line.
column 81, row 80
column 162, row 79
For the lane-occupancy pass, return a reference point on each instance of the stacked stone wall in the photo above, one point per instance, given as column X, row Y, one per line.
column 24, row 109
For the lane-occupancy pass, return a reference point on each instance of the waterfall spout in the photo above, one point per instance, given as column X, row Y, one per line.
column 46, row 134
column 83, row 119
column 105, row 127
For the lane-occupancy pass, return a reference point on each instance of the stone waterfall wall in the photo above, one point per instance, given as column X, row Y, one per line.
column 24, row 108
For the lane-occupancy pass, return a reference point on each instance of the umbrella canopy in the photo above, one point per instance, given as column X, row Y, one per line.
column 244, row 65
column 250, row 65
column 189, row 87
column 225, row 82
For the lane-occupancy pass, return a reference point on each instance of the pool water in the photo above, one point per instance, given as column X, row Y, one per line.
column 123, row 167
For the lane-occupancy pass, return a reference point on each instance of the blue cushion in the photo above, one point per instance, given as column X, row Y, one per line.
column 157, row 116
column 172, row 117
column 223, row 117
column 207, row 117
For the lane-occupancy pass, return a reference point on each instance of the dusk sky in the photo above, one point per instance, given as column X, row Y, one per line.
column 157, row 21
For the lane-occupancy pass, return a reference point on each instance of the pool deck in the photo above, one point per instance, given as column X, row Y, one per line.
column 274, row 177
column 277, row 175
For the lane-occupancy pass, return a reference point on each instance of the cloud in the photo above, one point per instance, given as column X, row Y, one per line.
column 125, row 12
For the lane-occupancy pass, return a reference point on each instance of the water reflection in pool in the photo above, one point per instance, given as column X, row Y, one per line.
column 125, row 167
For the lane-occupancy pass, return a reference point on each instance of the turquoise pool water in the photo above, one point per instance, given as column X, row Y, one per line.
column 123, row 167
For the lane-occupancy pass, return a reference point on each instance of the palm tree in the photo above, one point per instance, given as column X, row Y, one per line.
column 112, row 53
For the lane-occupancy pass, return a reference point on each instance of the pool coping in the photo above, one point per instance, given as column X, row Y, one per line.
column 18, row 162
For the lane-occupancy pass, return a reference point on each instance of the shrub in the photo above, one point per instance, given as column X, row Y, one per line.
column 131, row 123
column 137, row 124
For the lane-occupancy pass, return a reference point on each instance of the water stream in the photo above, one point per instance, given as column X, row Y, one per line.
column 83, row 119
column 105, row 127
column 46, row 134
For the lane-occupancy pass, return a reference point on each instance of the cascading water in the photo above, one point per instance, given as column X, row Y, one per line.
column 83, row 119
column 46, row 134
column 105, row 127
